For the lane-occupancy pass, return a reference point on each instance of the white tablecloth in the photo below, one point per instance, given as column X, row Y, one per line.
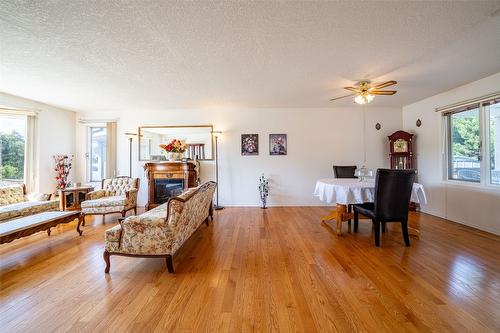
column 348, row 191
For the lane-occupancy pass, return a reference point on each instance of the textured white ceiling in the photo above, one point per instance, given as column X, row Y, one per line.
column 128, row 55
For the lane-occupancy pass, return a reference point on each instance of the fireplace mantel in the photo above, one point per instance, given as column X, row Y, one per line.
column 166, row 179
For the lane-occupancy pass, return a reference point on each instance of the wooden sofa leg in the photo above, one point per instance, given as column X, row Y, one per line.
column 206, row 221
column 83, row 220
column 170, row 265
column 106, row 259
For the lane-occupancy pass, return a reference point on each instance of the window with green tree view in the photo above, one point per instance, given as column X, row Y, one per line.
column 12, row 147
column 474, row 143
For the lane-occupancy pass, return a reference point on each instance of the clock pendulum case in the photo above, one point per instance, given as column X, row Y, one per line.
column 401, row 150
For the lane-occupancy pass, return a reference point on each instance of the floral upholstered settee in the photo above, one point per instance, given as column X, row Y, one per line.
column 15, row 203
column 117, row 195
column 161, row 231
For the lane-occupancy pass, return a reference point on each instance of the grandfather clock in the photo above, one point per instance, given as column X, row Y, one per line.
column 401, row 153
column 401, row 150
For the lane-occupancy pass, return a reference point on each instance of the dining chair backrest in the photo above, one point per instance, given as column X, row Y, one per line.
column 392, row 193
column 344, row 171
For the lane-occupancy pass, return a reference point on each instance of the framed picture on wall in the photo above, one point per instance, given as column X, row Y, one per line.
column 249, row 144
column 277, row 144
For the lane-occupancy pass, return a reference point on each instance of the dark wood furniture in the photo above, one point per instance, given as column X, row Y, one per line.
column 392, row 199
column 28, row 225
column 401, row 154
column 168, row 179
column 71, row 197
column 401, row 150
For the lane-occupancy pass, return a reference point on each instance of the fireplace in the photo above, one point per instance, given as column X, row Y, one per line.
column 166, row 188
column 168, row 179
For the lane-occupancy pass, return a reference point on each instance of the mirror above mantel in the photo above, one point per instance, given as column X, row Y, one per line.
column 199, row 139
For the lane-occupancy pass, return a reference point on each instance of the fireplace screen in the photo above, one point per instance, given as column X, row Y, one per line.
column 166, row 188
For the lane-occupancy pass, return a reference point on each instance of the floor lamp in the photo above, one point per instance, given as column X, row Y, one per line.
column 130, row 136
column 216, row 135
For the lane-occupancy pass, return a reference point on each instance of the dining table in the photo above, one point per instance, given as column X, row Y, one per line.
column 343, row 192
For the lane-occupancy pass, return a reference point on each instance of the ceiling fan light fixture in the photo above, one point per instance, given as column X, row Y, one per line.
column 364, row 99
column 364, row 91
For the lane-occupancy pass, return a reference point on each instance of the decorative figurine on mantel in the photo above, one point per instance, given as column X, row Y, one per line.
column 264, row 190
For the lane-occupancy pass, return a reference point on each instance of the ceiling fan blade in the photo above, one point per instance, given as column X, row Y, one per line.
column 383, row 85
column 383, row 92
column 333, row 99
column 356, row 90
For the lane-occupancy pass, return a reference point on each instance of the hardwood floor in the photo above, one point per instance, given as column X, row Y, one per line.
column 257, row 270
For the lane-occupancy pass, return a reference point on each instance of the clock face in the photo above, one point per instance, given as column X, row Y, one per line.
column 400, row 146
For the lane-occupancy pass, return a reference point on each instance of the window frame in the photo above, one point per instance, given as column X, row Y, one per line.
column 487, row 136
column 484, row 142
column 89, row 154
column 24, row 117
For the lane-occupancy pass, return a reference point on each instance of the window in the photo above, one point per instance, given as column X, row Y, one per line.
column 473, row 141
column 13, row 148
column 465, row 155
column 96, row 164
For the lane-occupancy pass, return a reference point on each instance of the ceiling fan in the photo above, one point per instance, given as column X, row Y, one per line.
column 365, row 91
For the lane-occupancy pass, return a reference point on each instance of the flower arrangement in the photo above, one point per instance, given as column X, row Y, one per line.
column 175, row 146
column 249, row 144
column 175, row 149
column 263, row 190
column 63, row 164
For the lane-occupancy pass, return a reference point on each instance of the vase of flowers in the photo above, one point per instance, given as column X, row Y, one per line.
column 175, row 149
column 63, row 164
column 263, row 190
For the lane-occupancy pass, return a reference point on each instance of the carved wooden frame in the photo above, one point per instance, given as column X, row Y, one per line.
column 42, row 227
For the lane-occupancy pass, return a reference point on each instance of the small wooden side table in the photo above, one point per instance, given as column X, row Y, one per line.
column 71, row 197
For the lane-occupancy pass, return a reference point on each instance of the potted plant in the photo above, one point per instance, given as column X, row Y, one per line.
column 174, row 150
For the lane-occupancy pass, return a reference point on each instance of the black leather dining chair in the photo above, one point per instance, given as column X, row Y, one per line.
column 392, row 199
column 344, row 171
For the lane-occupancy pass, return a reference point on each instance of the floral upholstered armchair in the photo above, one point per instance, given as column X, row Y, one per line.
column 161, row 231
column 118, row 195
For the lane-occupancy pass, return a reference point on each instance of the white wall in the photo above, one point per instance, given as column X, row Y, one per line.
column 465, row 204
column 317, row 138
column 55, row 135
